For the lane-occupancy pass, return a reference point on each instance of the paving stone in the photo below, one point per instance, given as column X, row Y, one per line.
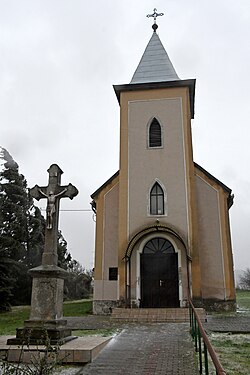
column 148, row 349
column 152, row 349
column 232, row 323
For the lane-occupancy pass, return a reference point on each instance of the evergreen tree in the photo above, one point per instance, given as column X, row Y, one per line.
column 64, row 257
column 78, row 284
column 6, row 279
column 21, row 230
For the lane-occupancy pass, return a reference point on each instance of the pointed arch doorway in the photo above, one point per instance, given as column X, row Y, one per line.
column 159, row 274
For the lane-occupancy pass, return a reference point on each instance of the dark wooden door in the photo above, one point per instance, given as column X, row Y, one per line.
column 159, row 279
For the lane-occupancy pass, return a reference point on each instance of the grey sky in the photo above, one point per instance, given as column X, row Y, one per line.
column 58, row 62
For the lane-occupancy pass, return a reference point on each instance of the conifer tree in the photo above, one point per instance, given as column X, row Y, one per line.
column 22, row 234
column 21, row 230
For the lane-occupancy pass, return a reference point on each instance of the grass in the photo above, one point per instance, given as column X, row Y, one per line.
column 243, row 299
column 14, row 319
column 9, row 321
column 233, row 352
column 233, row 349
column 77, row 308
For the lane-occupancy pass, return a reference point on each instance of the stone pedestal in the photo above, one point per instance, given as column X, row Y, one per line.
column 46, row 323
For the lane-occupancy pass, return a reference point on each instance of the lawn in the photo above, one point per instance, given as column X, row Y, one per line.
column 233, row 352
column 77, row 308
column 14, row 319
column 234, row 349
column 243, row 300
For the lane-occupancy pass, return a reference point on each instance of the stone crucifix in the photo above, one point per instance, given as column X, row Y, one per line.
column 46, row 310
column 53, row 192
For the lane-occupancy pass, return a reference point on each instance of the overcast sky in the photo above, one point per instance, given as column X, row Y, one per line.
column 58, row 62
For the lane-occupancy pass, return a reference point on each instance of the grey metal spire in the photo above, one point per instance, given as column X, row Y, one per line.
column 155, row 65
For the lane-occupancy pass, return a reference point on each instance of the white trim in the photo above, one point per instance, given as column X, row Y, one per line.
column 128, row 171
column 185, row 174
column 221, row 247
column 162, row 133
column 104, row 266
column 220, row 229
column 197, row 175
column 165, row 199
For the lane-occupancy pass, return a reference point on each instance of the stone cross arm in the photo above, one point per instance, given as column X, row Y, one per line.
column 54, row 191
column 39, row 192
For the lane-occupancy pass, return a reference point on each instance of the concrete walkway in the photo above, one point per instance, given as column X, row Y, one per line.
column 148, row 349
column 152, row 349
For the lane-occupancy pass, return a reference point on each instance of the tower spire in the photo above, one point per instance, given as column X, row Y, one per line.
column 155, row 15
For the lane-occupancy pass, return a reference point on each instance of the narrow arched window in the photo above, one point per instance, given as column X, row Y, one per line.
column 156, row 200
column 155, row 134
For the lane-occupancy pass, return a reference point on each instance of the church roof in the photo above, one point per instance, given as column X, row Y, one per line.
column 155, row 71
column 155, row 65
column 106, row 183
column 197, row 166
column 230, row 198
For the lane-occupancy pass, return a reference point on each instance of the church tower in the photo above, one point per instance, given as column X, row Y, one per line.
column 156, row 240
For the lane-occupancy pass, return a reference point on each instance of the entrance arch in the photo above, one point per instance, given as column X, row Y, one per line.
column 159, row 274
column 132, row 260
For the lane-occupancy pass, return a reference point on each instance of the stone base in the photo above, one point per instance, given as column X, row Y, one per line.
column 77, row 352
column 104, row 307
column 215, row 305
column 45, row 333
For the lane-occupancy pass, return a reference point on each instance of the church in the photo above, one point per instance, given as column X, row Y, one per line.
column 162, row 220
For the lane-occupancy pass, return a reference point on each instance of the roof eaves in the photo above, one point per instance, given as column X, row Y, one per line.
column 190, row 83
column 93, row 195
column 230, row 197
column 210, row 176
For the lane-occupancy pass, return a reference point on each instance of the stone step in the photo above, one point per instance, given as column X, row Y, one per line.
column 151, row 315
column 79, row 351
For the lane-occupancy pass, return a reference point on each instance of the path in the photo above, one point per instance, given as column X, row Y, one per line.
column 152, row 349
column 149, row 349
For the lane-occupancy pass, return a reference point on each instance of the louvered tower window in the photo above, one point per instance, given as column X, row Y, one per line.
column 156, row 200
column 155, row 134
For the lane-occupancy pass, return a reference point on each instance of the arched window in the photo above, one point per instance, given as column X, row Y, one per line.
column 155, row 134
column 156, row 200
column 158, row 246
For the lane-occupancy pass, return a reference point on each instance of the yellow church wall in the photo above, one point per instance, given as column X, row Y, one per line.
column 210, row 241
column 227, row 247
column 195, row 269
column 214, row 240
column 106, row 254
column 171, row 107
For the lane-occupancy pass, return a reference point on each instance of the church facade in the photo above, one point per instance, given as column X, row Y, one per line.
column 162, row 221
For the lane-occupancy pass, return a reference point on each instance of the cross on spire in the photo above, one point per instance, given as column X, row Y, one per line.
column 155, row 15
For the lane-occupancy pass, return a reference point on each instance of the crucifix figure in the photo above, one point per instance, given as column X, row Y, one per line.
column 53, row 192
column 51, row 205
column 155, row 15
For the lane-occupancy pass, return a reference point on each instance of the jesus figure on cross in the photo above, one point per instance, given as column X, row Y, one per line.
column 51, row 208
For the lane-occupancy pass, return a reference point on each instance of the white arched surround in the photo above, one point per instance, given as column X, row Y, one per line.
column 136, row 267
column 162, row 132
column 165, row 198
